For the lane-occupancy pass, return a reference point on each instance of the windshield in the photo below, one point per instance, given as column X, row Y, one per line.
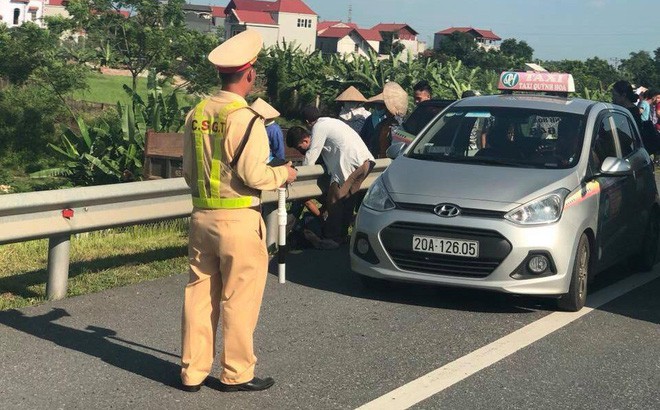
column 503, row 137
column 422, row 115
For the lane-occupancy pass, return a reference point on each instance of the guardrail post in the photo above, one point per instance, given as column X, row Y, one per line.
column 58, row 266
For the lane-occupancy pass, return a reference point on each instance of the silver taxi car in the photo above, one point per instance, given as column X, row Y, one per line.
column 524, row 194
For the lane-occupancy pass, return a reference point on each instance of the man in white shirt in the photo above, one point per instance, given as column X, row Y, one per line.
column 347, row 160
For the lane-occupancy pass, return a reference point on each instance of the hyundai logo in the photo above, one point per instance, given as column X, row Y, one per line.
column 447, row 210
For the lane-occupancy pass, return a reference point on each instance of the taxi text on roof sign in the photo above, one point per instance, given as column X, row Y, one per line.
column 536, row 82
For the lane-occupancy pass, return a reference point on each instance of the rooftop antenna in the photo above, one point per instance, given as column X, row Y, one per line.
column 350, row 13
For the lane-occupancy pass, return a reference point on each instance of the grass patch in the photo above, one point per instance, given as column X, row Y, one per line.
column 108, row 89
column 99, row 261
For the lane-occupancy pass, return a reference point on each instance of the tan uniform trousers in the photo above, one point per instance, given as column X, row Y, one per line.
column 228, row 268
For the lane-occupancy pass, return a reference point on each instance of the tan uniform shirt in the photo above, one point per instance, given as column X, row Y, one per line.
column 251, row 174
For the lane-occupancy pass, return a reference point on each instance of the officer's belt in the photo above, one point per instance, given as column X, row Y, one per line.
column 227, row 203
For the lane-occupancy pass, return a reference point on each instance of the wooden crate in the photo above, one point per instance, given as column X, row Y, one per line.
column 163, row 155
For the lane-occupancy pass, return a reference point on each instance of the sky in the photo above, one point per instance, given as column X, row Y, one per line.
column 555, row 29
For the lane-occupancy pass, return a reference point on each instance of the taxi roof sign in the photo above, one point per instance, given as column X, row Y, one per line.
column 532, row 81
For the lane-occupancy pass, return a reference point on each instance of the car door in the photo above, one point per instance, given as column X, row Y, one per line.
column 611, row 235
column 636, row 195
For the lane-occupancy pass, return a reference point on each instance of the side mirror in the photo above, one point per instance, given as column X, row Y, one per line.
column 395, row 150
column 613, row 166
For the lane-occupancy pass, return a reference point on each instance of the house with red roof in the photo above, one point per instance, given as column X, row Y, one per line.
column 55, row 8
column 204, row 18
column 290, row 21
column 336, row 37
column 14, row 13
column 401, row 33
column 485, row 39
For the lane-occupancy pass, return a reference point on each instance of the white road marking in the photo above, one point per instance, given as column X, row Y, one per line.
column 438, row 380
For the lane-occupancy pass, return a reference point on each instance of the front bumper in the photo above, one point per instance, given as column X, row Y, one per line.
column 504, row 249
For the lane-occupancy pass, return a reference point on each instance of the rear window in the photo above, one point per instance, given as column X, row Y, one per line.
column 503, row 137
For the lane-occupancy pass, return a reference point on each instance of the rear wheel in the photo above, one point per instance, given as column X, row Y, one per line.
column 576, row 297
column 648, row 254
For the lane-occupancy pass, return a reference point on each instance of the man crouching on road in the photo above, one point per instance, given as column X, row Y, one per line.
column 348, row 162
column 224, row 163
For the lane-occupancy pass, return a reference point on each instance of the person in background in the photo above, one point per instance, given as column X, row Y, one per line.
column 395, row 100
column 352, row 112
column 652, row 98
column 276, row 158
column 422, row 91
column 479, row 131
column 348, row 162
column 643, row 104
column 624, row 95
column 656, row 108
column 273, row 130
column 378, row 114
column 225, row 157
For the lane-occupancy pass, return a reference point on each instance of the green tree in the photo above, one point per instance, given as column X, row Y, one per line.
column 460, row 46
column 39, row 73
column 192, row 64
column 518, row 50
column 641, row 69
column 31, row 54
column 139, row 33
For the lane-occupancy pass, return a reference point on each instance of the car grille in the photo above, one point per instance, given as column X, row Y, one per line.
column 479, row 213
column 493, row 248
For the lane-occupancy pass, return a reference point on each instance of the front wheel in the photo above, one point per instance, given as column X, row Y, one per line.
column 576, row 297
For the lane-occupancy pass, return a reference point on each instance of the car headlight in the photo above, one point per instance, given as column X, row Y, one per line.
column 377, row 197
column 544, row 210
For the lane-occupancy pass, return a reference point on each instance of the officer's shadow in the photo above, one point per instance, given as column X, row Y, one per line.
column 95, row 341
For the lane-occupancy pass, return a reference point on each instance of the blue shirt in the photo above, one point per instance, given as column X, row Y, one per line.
column 646, row 110
column 275, row 140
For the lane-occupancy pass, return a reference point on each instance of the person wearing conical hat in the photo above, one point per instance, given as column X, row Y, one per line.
column 352, row 112
column 273, row 129
column 225, row 165
column 391, row 106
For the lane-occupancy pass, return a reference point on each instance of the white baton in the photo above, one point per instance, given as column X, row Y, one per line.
column 281, row 242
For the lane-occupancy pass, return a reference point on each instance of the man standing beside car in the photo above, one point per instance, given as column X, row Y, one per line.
column 422, row 91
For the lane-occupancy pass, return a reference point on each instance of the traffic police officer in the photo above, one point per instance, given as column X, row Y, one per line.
column 225, row 164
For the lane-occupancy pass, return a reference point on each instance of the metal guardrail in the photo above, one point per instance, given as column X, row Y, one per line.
column 57, row 215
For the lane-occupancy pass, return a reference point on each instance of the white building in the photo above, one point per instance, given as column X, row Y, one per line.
column 290, row 21
column 403, row 34
column 14, row 13
column 55, row 8
column 336, row 37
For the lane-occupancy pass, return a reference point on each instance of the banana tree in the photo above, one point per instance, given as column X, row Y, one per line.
column 103, row 153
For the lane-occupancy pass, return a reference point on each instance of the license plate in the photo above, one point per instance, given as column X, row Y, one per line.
column 445, row 246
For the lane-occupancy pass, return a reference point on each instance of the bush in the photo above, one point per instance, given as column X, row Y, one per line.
column 28, row 118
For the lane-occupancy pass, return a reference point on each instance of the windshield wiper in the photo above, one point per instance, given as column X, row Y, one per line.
column 429, row 157
column 497, row 161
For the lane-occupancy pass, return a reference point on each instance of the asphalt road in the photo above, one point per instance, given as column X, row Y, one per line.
column 332, row 344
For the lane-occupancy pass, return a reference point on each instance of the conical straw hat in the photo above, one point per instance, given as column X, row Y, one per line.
column 351, row 94
column 264, row 109
column 396, row 98
column 378, row 98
